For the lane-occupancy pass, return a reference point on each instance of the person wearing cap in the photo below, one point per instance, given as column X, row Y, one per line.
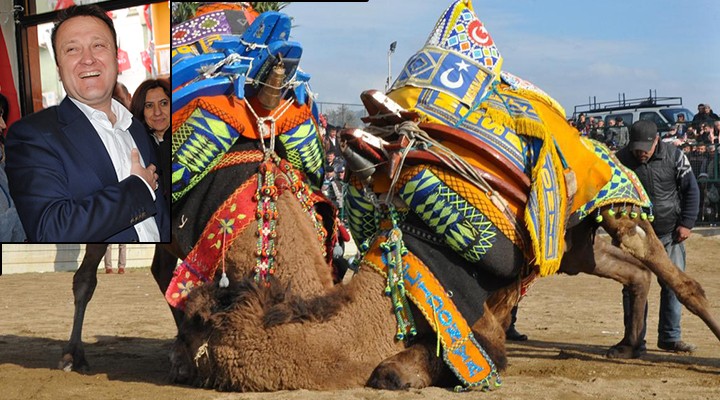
column 666, row 175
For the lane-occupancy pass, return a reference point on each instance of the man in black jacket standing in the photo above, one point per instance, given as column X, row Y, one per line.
column 665, row 173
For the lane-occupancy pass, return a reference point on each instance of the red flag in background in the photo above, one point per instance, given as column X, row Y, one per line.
column 7, row 84
column 146, row 60
column 123, row 60
column 62, row 4
column 146, row 15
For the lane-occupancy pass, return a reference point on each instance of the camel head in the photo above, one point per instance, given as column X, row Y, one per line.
column 193, row 334
column 210, row 310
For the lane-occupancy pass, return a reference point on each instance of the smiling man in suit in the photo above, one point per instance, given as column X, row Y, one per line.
column 84, row 171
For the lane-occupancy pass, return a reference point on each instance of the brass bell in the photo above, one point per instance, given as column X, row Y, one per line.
column 269, row 95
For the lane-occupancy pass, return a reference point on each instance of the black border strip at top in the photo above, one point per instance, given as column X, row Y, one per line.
column 109, row 5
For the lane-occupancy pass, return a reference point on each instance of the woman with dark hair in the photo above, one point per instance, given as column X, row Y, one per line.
column 151, row 105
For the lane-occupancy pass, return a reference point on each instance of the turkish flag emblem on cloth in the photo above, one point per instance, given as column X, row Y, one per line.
column 123, row 60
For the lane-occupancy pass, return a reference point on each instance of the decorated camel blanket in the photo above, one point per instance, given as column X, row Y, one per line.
column 548, row 176
column 456, row 79
column 230, row 69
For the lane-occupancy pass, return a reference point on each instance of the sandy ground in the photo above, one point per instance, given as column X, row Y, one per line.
column 570, row 320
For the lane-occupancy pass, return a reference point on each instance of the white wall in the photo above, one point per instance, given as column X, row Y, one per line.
column 20, row 258
column 7, row 23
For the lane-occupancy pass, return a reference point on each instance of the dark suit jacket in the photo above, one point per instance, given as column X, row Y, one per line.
column 65, row 187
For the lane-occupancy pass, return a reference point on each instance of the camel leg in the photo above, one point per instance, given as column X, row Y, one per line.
column 418, row 366
column 637, row 237
column 163, row 266
column 600, row 258
column 501, row 303
column 489, row 330
column 415, row 367
column 84, row 283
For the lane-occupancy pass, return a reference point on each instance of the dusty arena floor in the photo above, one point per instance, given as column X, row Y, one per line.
column 570, row 320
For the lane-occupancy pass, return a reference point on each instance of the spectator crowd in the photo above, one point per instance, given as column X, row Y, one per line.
column 699, row 139
column 334, row 184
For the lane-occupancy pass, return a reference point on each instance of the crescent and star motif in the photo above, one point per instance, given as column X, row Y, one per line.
column 445, row 77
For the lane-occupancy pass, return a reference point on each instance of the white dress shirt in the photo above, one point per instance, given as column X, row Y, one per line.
column 118, row 142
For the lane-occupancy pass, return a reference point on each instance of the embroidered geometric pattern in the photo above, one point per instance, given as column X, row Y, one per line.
column 544, row 211
column 464, row 355
column 448, row 72
column 239, row 157
column 516, row 106
column 477, row 199
column 180, row 136
column 623, row 187
column 501, row 138
column 460, row 30
column 298, row 114
column 465, row 229
column 229, row 220
column 197, row 28
column 360, row 213
column 200, row 151
column 223, row 22
column 305, row 152
column 507, row 126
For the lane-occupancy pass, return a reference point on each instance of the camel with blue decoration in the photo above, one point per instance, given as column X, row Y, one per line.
column 467, row 185
column 256, row 284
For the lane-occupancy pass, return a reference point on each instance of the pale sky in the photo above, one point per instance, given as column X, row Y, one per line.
column 572, row 49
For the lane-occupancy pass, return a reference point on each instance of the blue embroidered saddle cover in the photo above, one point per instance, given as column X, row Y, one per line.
column 215, row 80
